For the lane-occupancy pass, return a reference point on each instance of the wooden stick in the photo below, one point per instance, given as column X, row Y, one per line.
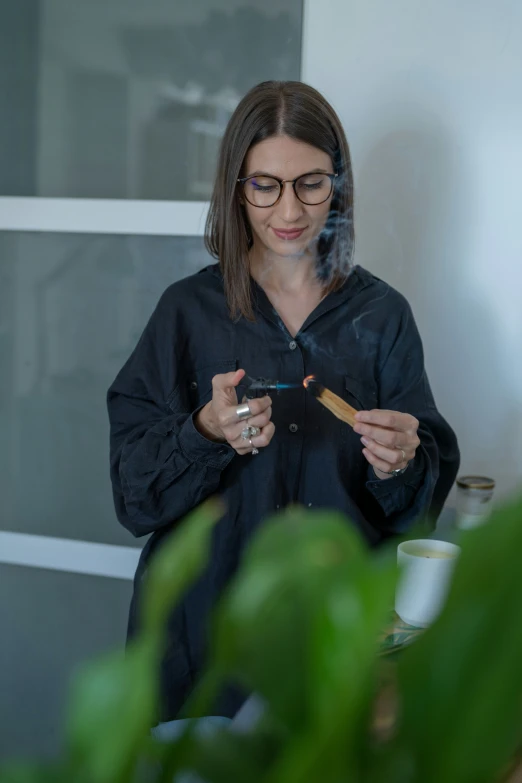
column 333, row 402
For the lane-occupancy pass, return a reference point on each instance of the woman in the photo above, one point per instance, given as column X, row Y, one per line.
column 283, row 302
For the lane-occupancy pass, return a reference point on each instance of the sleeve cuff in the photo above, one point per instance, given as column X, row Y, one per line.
column 392, row 493
column 197, row 448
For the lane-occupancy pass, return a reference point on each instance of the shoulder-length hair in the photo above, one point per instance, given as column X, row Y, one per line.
column 271, row 109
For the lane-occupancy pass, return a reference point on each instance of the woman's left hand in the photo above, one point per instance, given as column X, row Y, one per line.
column 389, row 437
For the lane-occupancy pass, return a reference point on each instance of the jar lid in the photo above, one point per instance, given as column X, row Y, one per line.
column 475, row 482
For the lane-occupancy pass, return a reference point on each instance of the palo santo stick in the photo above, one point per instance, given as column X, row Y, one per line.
column 333, row 402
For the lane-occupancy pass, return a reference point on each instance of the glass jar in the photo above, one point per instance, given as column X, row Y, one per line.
column 474, row 494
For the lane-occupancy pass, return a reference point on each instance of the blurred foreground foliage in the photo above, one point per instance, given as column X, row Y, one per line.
column 300, row 627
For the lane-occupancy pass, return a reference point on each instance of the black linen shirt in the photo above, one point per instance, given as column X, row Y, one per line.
column 361, row 342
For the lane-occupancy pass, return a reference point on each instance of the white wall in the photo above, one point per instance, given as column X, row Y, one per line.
column 430, row 94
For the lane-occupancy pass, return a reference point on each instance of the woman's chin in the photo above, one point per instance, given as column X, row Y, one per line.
column 288, row 249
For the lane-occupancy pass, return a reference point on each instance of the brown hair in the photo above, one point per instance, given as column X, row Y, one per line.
column 271, row 109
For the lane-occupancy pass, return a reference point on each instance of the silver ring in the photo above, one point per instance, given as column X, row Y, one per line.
column 254, row 450
column 243, row 412
column 250, row 432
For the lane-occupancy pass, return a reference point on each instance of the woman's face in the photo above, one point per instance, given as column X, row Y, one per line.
column 288, row 228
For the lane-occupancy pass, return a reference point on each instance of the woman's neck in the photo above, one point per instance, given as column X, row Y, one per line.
column 292, row 287
column 284, row 275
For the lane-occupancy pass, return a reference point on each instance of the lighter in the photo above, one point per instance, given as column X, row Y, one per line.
column 258, row 387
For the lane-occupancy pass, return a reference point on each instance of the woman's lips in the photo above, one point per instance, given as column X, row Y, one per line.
column 293, row 233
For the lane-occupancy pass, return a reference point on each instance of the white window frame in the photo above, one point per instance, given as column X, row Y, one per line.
column 103, row 216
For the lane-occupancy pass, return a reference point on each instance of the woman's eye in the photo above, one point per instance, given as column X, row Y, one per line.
column 263, row 188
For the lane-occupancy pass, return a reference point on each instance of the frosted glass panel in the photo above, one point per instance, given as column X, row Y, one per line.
column 51, row 623
column 129, row 98
column 71, row 310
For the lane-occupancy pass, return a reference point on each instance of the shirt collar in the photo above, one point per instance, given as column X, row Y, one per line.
column 357, row 280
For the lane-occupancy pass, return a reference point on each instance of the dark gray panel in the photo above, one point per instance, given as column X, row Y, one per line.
column 19, row 58
column 72, row 309
column 51, row 622
column 128, row 99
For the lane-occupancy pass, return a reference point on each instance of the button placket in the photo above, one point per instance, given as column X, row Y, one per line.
column 291, row 408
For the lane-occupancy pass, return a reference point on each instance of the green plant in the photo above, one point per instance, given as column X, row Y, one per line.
column 300, row 626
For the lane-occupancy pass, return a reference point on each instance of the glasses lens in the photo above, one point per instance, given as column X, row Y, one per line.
column 262, row 191
column 313, row 188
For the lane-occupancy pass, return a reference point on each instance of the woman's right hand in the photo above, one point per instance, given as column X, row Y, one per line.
column 218, row 420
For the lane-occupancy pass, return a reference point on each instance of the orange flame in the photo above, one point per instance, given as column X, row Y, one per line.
column 307, row 380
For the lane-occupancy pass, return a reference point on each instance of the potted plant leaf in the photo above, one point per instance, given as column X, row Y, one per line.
column 300, row 627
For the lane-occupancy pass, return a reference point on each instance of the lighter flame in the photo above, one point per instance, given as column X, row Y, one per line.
column 307, row 380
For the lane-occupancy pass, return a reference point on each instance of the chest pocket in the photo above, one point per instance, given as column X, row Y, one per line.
column 200, row 381
column 361, row 395
column 195, row 389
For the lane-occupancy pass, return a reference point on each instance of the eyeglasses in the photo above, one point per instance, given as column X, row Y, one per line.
column 311, row 189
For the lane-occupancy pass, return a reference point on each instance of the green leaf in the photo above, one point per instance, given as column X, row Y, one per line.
column 225, row 756
column 113, row 708
column 114, row 701
column 264, row 623
column 300, row 626
column 341, row 677
column 176, row 565
column 32, row 773
column 462, row 681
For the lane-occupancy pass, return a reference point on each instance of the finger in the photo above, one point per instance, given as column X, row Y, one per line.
column 402, row 422
column 224, row 389
column 234, row 431
column 261, row 420
column 260, row 441
column 242, row 450
column 225, row 382
column 259, row 404
column 396, row 457
column 389, row 438
column 377, row 463
column 228, row 414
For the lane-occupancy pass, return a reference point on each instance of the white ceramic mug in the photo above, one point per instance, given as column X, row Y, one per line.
column 426, row 570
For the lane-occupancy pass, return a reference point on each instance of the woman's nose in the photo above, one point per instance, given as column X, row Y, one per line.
column 289, row 208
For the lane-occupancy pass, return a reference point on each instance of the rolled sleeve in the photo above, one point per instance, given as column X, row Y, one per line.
column 398, row 493
column 197, row 448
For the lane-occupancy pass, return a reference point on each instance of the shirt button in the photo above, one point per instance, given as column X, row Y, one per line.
column 292, row 345
column 193, row 385
column 293, row 427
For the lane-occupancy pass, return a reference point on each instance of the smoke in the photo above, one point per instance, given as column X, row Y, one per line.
column 331, row 250
column 310, row 343
column 355, row 329
column 335, row 243
column 356, row 323
column 334, row 247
